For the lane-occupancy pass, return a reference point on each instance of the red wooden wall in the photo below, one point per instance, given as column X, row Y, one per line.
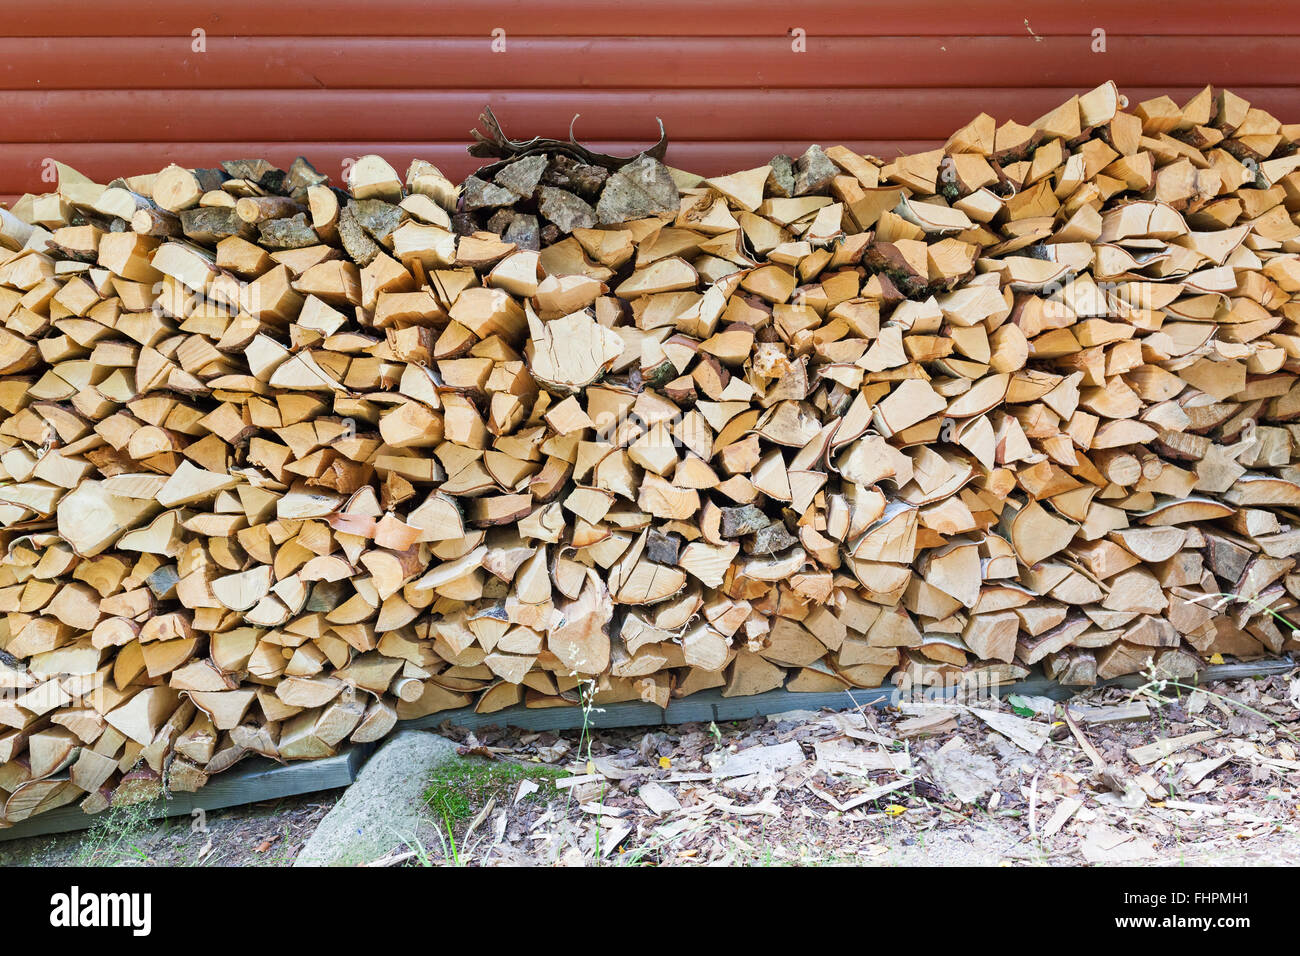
column 114, row 87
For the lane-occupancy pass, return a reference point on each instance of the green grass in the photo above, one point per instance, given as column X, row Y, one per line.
column 116, row 837
column 459, row 789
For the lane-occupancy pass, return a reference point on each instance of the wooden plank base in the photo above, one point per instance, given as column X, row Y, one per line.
column 258, row 779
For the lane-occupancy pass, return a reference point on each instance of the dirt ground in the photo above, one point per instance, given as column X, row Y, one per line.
column 1019, row 782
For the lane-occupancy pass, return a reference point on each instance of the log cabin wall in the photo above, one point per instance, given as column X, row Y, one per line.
column 125, row 86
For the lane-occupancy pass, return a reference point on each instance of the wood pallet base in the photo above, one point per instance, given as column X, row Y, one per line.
column 263, row 779
column 256, row 780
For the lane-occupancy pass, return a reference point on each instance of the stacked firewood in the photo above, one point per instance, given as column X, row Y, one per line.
column 283, row 464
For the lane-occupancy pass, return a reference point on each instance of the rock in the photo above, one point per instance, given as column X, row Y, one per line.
column 566, row 210
column 479, row 194
column 381, row 811
column 780, row 182
column 522, row 176
column 966, row 775
column 1103, row 844
column 565, row 172
column 640, row 189
column 813, row 171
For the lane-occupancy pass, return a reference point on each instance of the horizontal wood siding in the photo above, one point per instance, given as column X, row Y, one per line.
column 680, row 18
column 115, row 88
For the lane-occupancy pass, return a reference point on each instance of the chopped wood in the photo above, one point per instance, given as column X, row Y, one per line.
column 588, row 426
column 1160, row 749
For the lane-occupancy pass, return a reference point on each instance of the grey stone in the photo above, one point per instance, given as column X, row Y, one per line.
column 963, row 773
column 813, row 171
column 640, row 189
column 780, row 182
column 381, row 812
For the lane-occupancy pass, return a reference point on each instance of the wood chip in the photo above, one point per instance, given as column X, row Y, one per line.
column 764, row 759
column 1110, row 713
column 1028, row 735
column 1061, row 815
column 842, row 757
column 1159, row 749
column 866, row 796
column 658, row 799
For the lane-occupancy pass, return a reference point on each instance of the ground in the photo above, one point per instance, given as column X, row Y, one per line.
column 1011, row 783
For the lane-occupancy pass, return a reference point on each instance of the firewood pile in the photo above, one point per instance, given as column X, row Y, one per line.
column 283, row 464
